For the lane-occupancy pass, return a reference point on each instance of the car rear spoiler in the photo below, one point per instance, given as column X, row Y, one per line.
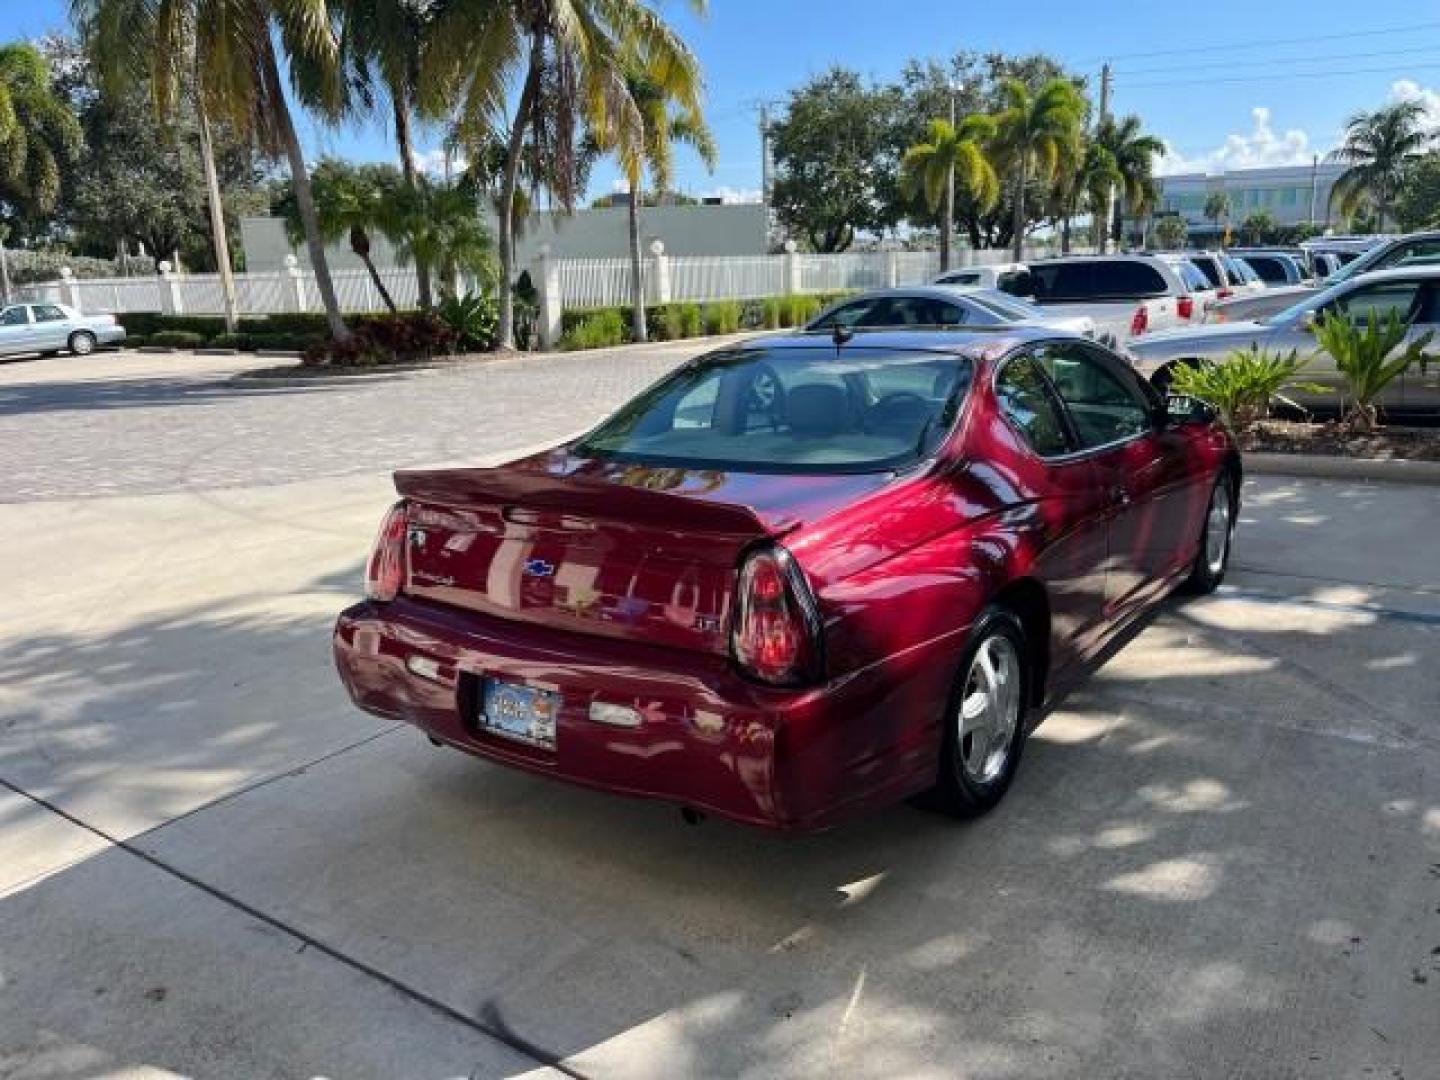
column 522, row 495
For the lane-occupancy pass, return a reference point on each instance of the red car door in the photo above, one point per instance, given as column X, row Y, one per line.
column 1143, row 476
column 1066, row 493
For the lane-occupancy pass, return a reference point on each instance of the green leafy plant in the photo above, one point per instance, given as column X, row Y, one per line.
column 1242, row 385
column 385, row 339
column 178, row 339
column 798, row 310
column 473, row 318
column 601, row 328
column 1363, row 356
column 722, row 317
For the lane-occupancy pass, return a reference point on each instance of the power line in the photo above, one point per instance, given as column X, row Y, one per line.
column 1228, row 64
column 1234, row 46
column 1388, row 69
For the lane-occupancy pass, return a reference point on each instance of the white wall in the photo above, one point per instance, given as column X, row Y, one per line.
column 588, row 234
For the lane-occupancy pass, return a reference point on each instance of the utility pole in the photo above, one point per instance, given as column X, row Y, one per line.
column 1106, row 244
column 1314, row 186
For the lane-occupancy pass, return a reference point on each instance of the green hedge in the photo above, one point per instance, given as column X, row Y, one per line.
column 149, row 323
column 593, row 328
column 178, row 339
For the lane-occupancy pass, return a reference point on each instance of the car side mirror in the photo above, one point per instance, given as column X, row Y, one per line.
column 1181, row 409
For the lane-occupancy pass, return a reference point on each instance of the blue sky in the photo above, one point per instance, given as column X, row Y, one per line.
column 1257, row 101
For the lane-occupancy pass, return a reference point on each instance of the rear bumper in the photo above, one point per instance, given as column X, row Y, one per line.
column 785, row 759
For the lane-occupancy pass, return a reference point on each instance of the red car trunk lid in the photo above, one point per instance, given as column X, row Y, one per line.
column 577, row 552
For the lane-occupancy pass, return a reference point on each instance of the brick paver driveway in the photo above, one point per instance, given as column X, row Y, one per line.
column 126, row 423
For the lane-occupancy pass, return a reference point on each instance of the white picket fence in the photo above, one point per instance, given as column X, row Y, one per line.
column 564, row 283
column 202, row 294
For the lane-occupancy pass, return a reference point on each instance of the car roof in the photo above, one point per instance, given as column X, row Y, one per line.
column 971, row 341
column 1422, row 270
column 930, row 292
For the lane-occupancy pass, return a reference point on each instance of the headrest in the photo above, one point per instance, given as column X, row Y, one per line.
column 816, row 409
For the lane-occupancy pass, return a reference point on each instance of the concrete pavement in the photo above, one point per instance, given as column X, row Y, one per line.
column 1221, row 858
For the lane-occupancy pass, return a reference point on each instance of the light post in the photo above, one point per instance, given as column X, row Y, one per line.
column 947, row 225
column 4, row 267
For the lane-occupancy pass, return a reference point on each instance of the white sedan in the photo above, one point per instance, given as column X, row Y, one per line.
column 47, row 327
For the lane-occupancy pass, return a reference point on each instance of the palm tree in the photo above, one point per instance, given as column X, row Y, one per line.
column 1036, row 133
column 1217, row 206
column 1089, row 184
column 385, row 40
column 350, row 201
column 441, row 225
column 1134, row 154
column 1379, row 146
column 951, row 151
column 227, row 48
column 587, row 46
column 39, row 135
column 664, row 122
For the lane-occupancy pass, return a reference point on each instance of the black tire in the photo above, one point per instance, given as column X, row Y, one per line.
column 82, row 343
column 50, row 352
column 1208, row 571
column 958, row 791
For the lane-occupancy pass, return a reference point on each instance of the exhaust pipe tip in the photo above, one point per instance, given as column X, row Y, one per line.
column 691, row 816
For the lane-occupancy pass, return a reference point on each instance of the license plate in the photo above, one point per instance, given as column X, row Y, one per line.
column 522, row 713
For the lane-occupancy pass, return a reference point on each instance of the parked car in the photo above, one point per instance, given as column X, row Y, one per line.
column 1125, row 295
column 790, row 606
column 1324, row 264
column 1412, row 293
column 1275, row 268
column 1227, row 275
column 47, row 328
column 1415, row 249
column 1000, row 276
column 939, row 306
column 1202, row 292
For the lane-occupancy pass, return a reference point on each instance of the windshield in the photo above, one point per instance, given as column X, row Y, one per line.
column 1420, row 251
column 1007, row 306
column 1309, row 302
column 791, row 410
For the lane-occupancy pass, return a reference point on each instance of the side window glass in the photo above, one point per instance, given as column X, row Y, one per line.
column 14, row 316
column 697, row 408
column 1421, row 252
column 1102, row 406
column 849, row 315
column 1393, row 297
column 48, row 313
column 1026, row 401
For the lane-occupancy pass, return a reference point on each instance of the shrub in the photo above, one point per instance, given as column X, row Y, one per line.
column 153, row 322
column 600, row 328
column 135, row 341
column 473, row 318
column 772, row 310
column 674, row 322
column 282, row 342
column 1242, row 385
column 178, row 339
column 1362, row 353
column 380, row 339
column 798, row 310
column 286, row 322
column 231, row 341
column 722, row 317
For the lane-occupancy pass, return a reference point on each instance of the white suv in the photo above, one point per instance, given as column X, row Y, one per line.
column 1125, row 295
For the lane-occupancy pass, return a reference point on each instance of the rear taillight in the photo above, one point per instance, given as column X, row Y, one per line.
column 1185, row 307
column 1140, row 322
column 385, row 572
column 776, row 636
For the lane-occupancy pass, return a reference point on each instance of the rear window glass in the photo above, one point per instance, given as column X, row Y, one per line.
column 1271, row 268
column 1121, row 279
column 1211, row 269
column 1240, row 270
column 1192, row 276
column 799, row 410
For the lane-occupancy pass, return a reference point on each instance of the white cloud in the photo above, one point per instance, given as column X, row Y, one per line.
column 727, row 194
column 432, row 162
column 1410, row 90
column 1262, row 146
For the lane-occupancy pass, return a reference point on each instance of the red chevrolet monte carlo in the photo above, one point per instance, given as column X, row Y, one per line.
column 799, row 577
